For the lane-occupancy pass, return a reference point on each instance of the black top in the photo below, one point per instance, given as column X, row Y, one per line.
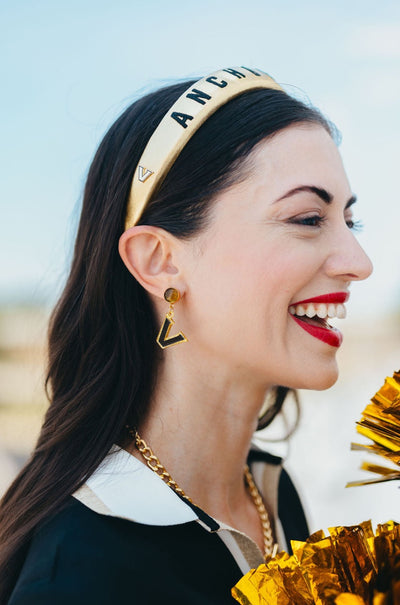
column 81, row 557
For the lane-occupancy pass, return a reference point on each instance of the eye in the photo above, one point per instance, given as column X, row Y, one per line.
column 314, row 220
column 354, row 225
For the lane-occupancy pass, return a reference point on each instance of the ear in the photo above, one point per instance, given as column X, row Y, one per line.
column 149, row 254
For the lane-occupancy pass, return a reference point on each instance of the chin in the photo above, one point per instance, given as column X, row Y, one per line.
column 324, row 382
column 314, row 378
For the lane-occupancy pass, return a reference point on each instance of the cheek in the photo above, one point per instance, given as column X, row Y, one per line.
column 253, row 274
column 281, row 273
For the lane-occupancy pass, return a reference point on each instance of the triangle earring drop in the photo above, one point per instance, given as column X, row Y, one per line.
column 164, row 340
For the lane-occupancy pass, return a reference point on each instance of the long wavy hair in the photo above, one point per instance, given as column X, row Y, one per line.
column 103, row 358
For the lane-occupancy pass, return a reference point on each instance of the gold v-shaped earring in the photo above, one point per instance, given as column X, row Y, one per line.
column 172, row 296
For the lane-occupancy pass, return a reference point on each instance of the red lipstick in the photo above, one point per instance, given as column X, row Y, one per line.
column 319, row 327
column 333, row 298
column 331, row 336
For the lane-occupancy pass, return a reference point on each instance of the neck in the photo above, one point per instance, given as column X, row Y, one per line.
column 208, row 423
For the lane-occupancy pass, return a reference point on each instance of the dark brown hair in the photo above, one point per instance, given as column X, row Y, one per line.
column 102, row 354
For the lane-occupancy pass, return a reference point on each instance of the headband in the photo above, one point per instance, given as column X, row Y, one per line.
column 179, row 124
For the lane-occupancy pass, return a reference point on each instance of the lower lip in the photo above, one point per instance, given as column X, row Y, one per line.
column 330, row 336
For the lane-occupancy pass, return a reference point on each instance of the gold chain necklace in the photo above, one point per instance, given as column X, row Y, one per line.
column 155, row 465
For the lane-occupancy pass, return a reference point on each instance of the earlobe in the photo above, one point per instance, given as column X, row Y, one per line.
column 147, row 253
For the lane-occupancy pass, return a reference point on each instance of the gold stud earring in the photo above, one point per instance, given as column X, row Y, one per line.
column 172, row 296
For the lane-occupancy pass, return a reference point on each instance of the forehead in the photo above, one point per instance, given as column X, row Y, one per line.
column 302, row 154
column 299, row 156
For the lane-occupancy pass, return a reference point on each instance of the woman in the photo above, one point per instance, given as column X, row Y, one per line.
column 221, row 205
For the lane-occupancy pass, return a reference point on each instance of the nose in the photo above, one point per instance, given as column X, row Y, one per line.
column 348, row 259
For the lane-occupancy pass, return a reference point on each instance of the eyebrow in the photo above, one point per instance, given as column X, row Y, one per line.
column 323, row 194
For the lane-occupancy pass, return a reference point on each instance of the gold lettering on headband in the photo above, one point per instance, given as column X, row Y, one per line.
column 144, row 173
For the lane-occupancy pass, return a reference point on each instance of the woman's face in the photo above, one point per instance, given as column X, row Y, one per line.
column 280, row 237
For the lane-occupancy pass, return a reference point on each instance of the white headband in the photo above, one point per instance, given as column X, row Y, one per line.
column 183, row 119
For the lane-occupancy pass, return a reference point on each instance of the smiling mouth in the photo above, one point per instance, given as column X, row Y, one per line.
column 312, row 315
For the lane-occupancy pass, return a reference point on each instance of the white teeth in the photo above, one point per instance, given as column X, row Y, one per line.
column 300, row 310
column 320, row 310
column 310, row 310
column 340, row 311
column 331, row 310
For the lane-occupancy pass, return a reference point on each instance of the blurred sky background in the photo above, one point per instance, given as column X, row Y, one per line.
column 68, row 69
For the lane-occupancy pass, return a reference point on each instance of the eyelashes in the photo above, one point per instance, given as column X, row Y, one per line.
column 317, row 221
column 355, row 225
column 309, row 221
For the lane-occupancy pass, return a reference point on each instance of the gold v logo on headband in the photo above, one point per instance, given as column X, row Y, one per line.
column 144, row 173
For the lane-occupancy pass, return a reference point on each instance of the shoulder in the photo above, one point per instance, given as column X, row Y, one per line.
column 67, row 552
column 79, row 556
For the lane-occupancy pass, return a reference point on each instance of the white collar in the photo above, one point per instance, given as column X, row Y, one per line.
column 122, row 486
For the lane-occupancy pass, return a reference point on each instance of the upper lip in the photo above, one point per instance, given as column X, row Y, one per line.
column 332, row 297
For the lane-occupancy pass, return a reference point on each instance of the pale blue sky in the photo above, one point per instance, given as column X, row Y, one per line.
column 67, row 69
